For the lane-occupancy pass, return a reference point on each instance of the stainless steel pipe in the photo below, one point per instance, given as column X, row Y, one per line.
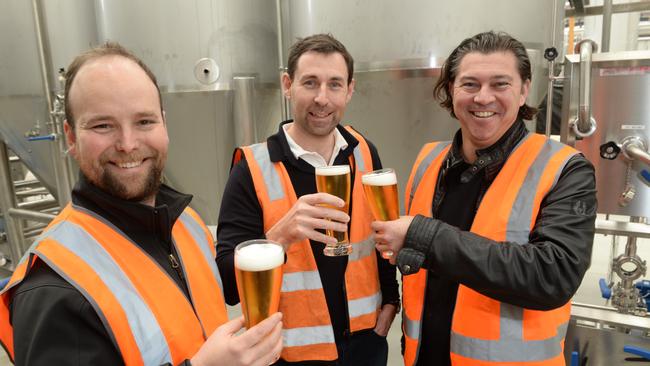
column 8, row 201
column 585, row 125
column 244, row 110
column 39, row 205
column 607, row 26
column 31, row 215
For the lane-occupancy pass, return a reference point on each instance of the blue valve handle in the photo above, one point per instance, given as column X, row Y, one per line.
column 645, row 175
column 605, row 291
column 636, row 350
column 41, row 138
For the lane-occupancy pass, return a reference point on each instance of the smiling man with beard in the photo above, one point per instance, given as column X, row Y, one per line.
column 493, row 248
column 336, row 309
column 126, row 273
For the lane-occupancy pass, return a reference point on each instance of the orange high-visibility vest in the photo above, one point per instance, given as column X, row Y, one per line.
column 486, row 331
column 308, row 333
column 146, row 314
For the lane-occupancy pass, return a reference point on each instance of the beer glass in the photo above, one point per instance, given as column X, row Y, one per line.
column 335, row 180
column 258, row 271
column 380, row 187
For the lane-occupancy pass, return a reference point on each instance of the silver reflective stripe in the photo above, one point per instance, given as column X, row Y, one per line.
column 424, row 164
column 199, row 236
column 307, row 336
column 364, row 305
column 511, row 347
column 297, row 281
column 270, row 175
column 142, row 322
column 362, row 249
column 508, row 350
column 358, row 158
column 411, row 327
column 511, row 322
column 522, row 209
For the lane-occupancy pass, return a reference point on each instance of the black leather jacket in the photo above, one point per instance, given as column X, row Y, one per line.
column 542, row 274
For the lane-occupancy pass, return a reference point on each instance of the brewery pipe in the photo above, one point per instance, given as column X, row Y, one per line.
column 8, row 201
column 585, row 125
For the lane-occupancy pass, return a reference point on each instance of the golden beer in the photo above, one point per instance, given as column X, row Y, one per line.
column 258, row 270
column 380, row 187
column 335, row 180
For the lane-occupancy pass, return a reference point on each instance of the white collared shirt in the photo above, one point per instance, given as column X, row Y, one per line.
column 313, row 158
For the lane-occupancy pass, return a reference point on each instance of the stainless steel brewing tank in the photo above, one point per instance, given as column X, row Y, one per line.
column 23, row 104
column 620, row 87
column 399, row 47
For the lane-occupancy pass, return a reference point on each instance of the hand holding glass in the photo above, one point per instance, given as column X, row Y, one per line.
column 258, row 271
column 380, row 187
column 335, row 180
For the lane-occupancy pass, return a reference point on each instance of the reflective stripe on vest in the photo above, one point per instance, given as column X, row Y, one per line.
column 270, row 175
column 130, row 293
column 411, row 327
column 511, row 345
column 424, row 165
column 308, row 337
column 198, row 235
column 146, row 331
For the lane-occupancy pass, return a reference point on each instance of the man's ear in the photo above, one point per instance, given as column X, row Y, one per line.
column 70, row 138
column 350, row 90
column 525, row 88
column 286, row 85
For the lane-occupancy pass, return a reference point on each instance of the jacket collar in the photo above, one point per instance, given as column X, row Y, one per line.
column 133, row 217
column 279, row 149
column 491, row 158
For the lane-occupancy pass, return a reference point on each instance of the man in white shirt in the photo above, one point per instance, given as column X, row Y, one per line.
column 271, row 194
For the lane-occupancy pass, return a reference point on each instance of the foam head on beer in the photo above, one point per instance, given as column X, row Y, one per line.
column 259, row 257
column 333, row 170
column 382, row 178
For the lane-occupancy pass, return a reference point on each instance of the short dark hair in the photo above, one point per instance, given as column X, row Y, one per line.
column 105, row 50
column 321, row 43
column 485, row 43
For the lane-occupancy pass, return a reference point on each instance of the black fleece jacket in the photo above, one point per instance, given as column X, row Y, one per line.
column 54, row 324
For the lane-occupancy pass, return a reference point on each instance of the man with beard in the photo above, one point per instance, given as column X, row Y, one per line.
column 335, row 309
column 126, row 273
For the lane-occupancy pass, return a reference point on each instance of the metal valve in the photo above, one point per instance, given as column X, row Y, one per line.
column 609, row 150
column 550, row 53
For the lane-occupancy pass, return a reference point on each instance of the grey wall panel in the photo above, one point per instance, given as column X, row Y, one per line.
column 398, row 116
column 201, row 139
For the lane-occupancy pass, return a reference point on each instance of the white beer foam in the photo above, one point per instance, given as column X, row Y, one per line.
column 259, row 257
column 333, row 170
column 379, row 179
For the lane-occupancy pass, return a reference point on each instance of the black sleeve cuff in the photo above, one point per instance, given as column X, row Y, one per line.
column 419, row 238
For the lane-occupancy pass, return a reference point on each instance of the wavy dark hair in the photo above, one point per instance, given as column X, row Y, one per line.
column 486, row 43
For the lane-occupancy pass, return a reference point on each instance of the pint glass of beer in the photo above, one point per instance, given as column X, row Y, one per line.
column 258, row 270
column 380, row 187
column 335, row 180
